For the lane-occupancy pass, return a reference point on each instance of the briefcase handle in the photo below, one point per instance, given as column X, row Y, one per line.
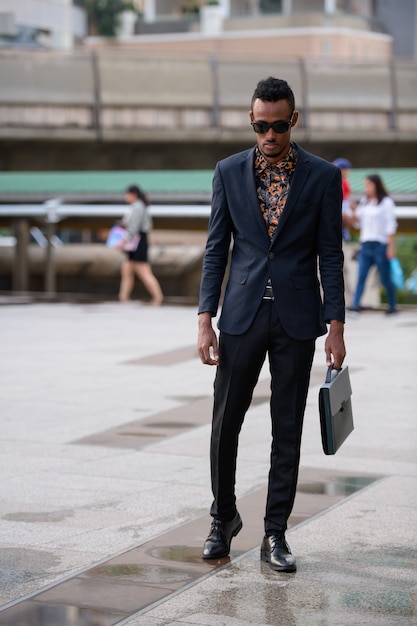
column 329, row 373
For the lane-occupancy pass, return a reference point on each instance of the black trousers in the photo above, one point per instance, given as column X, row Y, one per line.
column 240, row 361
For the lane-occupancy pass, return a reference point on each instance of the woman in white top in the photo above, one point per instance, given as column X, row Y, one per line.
column 375, row 218
column 138, row 223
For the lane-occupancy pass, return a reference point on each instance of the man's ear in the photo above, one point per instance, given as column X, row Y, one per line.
column 294, row 119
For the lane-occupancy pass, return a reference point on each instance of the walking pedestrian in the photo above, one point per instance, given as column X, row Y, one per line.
column 138, row 224
column 375, row 218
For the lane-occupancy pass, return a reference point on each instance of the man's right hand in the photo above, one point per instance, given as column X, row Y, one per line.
column 207, row 340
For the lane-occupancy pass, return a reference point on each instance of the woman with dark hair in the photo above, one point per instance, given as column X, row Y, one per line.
column 375, row 218
column 138, row 224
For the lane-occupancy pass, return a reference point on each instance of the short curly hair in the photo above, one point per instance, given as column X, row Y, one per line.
column 272, row 89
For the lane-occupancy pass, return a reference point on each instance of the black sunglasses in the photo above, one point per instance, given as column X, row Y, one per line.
column 278, row 127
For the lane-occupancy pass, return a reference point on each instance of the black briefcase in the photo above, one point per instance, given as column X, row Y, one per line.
column 335, row 406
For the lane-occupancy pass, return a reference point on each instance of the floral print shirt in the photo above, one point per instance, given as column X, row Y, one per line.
column 273, row 185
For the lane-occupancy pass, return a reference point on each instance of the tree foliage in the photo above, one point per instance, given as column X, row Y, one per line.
column 103, row 15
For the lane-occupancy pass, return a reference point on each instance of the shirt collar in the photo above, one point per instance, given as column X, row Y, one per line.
column 289, row 159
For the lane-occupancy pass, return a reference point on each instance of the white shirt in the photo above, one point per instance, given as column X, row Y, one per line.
column 376, row 221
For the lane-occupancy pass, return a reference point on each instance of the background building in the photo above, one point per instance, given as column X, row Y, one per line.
column 163, row 98
column 348, row 28
column 397, row 18
column 53, row 24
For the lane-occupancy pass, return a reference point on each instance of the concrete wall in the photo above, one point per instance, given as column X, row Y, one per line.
column 95, row 269
column 119, row 110
column 117, row 91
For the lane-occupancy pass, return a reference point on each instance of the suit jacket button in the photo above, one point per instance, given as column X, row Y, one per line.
column 271, row 255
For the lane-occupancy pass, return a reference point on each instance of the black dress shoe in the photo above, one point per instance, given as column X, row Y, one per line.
column 276, row 552
column 217, row 543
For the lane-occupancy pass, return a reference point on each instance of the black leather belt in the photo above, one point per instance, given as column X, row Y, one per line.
column 268, row 294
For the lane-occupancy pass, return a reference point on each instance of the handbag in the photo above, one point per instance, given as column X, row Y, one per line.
column 117, row 234
column 131, row 246
column 335, row 407
column 397, row 275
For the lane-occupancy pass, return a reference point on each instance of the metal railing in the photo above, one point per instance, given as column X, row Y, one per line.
column 52, row 213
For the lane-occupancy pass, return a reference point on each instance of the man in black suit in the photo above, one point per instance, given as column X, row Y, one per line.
column 281, row 207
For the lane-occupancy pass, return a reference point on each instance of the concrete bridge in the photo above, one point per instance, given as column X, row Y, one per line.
column 113, row 109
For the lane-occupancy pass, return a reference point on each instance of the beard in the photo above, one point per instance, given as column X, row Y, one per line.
column 273, row 150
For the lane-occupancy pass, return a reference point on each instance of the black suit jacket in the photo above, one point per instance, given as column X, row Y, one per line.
column 309, row 231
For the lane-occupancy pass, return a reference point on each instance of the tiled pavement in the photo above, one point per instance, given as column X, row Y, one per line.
column 105, row 413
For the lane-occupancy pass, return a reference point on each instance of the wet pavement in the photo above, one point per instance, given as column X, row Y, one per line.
column 105, row 413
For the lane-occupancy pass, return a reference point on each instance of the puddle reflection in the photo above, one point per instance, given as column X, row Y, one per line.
column 141, row 573
column 35, row 614
column 181, row 554
column 337, row 486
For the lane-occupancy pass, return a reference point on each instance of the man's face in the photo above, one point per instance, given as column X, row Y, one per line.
column 274, row 146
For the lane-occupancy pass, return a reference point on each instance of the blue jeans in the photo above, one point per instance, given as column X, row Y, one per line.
column 374, row 253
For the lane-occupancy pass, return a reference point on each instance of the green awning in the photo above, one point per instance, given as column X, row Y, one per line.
column 402, row 181
column 398, row 181
column 55, row 183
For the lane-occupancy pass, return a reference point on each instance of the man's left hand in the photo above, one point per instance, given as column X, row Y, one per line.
column 335, row 345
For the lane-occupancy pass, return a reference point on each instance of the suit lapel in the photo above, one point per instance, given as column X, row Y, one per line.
column 301, row 174
column 250, row 196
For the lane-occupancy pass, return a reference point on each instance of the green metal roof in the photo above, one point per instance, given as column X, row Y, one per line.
column 397, row 180
column 169, row 182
